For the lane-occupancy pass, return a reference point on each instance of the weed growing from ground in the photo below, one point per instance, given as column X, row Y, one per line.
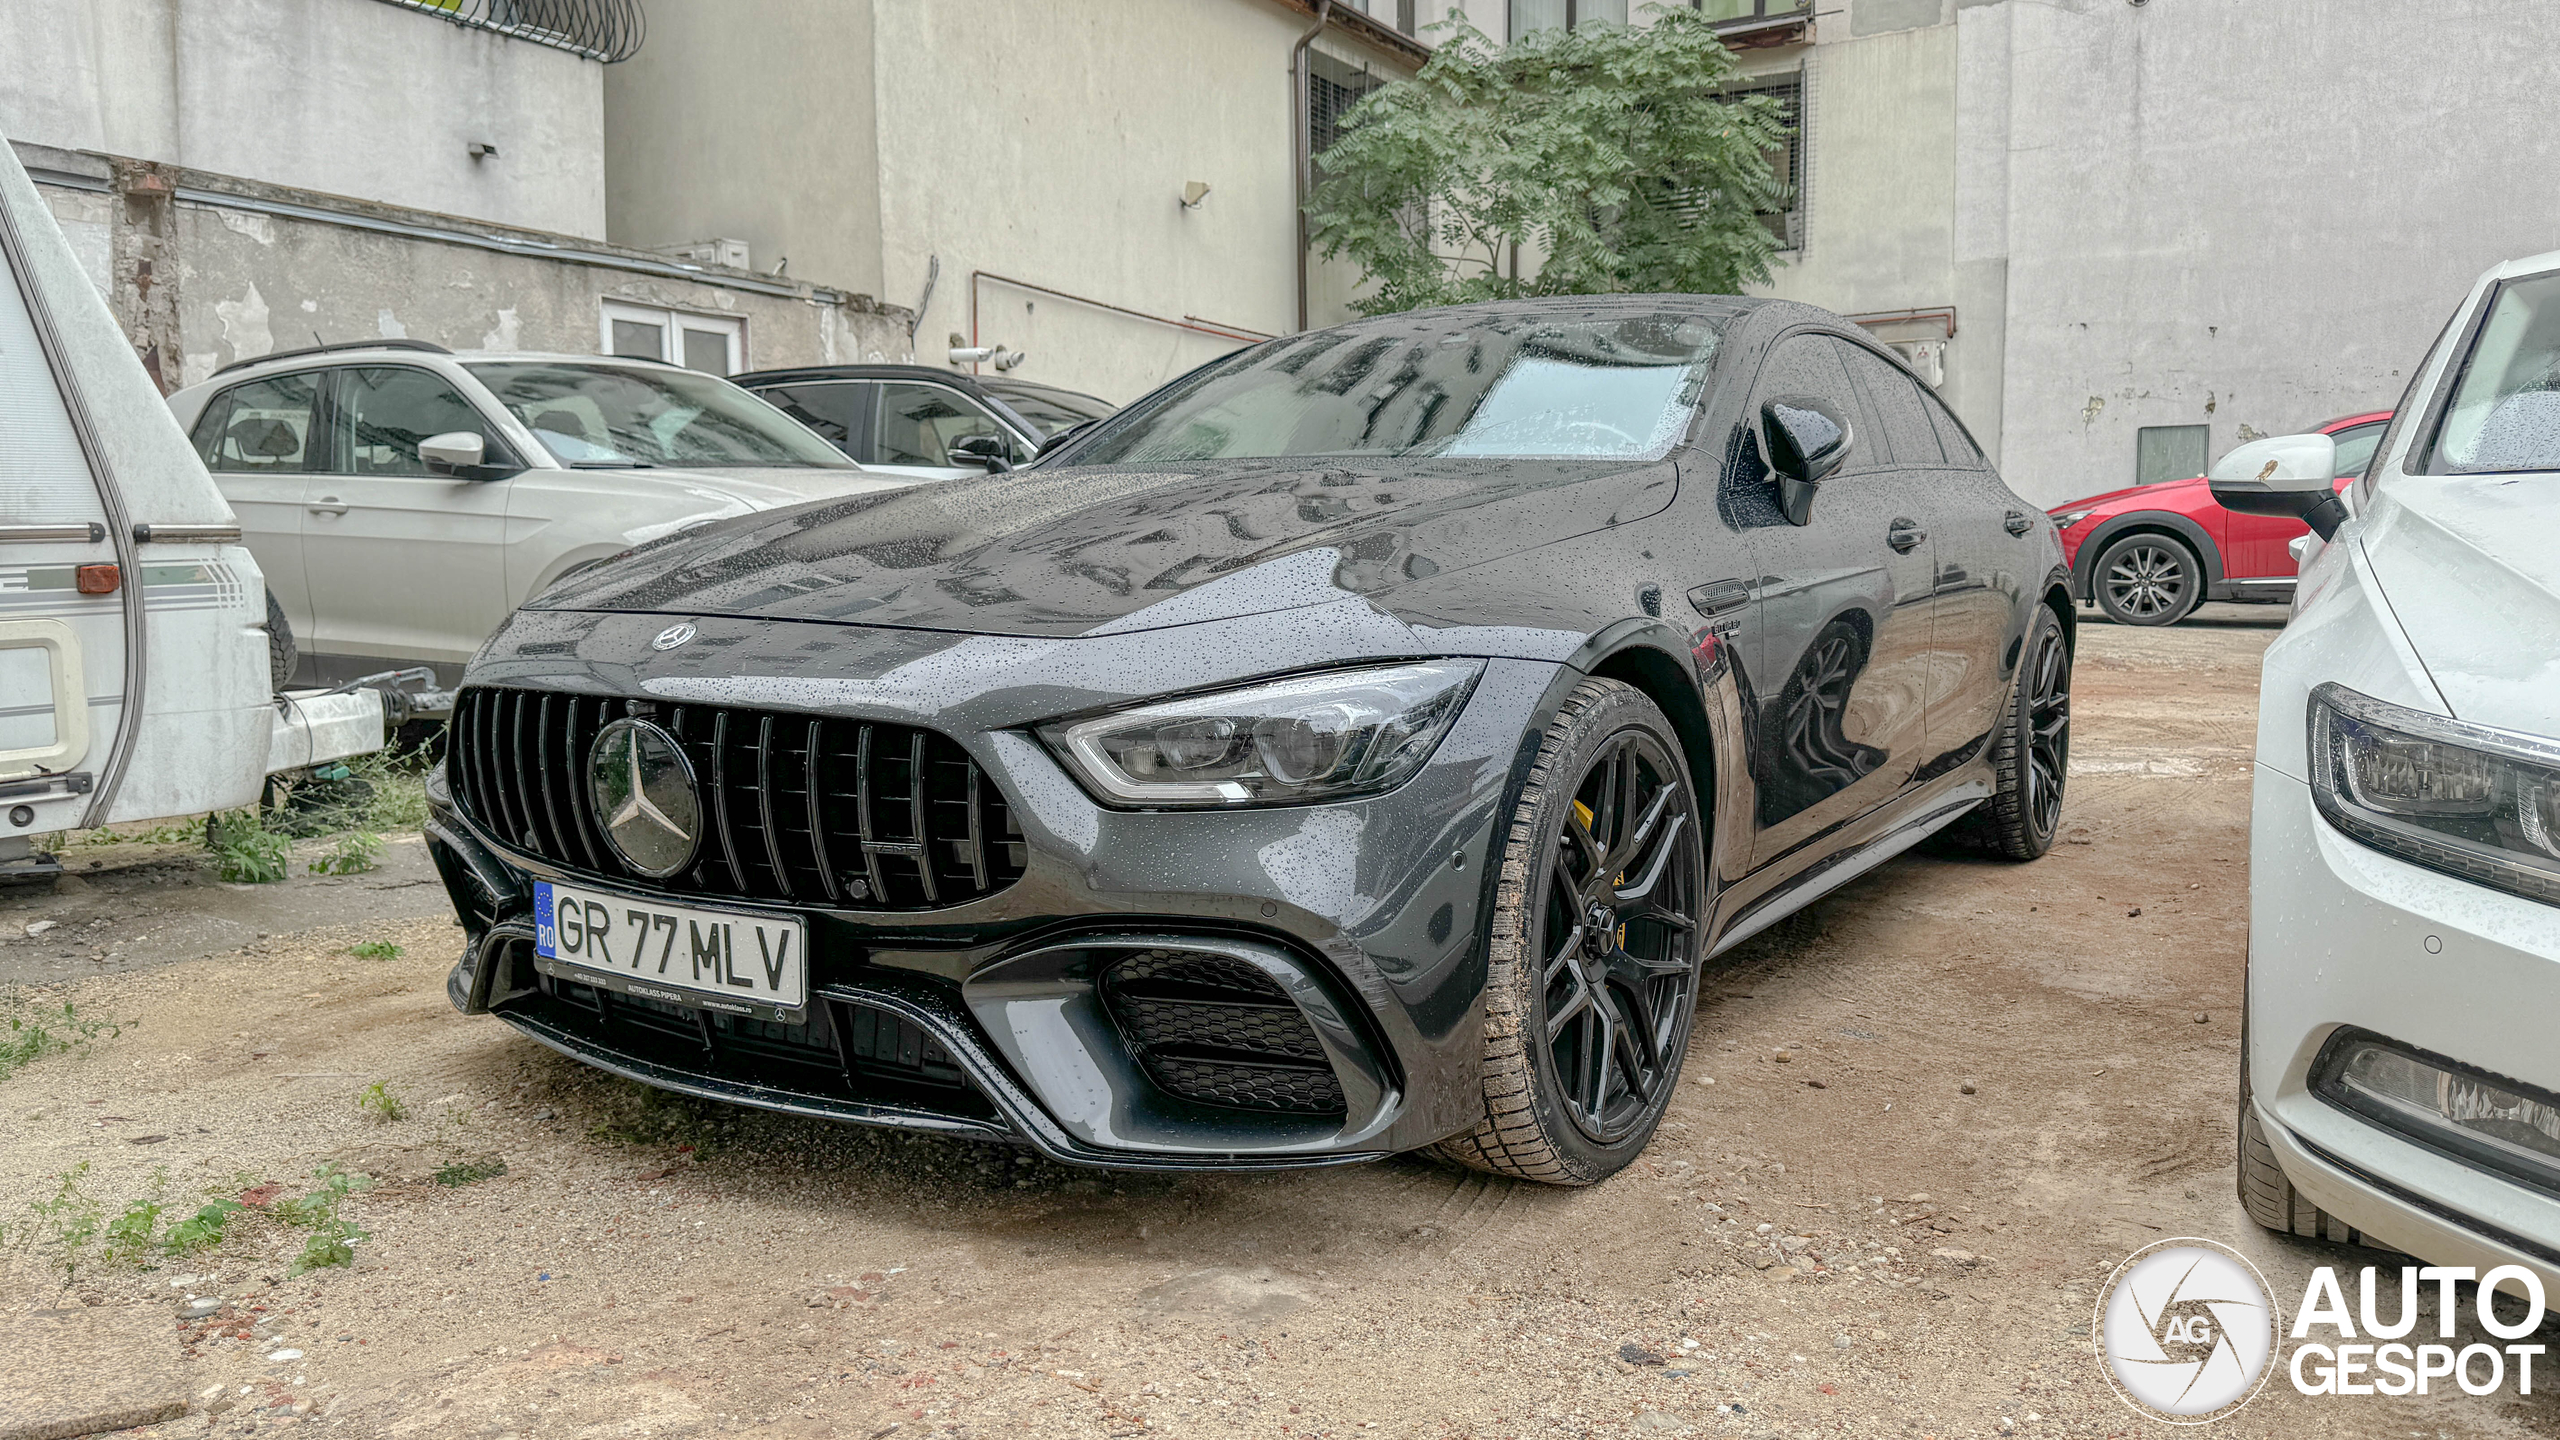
column 34, row 1034
column 354, row 853
column 201, row 1231
column 376, row 950
column 64, row 1227
column 471, row 1172
column 245, row 851
column 377, row 1102
column 333, row 1237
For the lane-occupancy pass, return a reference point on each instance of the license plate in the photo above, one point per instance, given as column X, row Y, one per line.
column 755, row 965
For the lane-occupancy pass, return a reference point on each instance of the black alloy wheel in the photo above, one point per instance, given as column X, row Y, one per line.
column 2148, row 580
column 2031, row 751
column 2048, row 721
column 1595, row 947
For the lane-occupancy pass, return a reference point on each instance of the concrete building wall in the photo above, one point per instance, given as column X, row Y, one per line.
column 986, row 143
column 2215, row 215
column 344, row 97
column 256, row 269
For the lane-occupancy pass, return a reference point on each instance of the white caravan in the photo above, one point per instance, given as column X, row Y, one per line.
column 133, row 642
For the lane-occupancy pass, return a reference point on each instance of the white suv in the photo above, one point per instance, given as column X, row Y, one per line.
column 403, row 500
column 2401, row 1082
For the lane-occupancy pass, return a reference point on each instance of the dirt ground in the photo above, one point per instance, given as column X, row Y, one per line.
column 1839, row 1242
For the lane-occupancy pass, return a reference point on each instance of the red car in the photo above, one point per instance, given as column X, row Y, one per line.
column 2151, row 554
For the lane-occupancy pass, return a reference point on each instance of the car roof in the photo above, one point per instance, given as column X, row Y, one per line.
column 404, row 352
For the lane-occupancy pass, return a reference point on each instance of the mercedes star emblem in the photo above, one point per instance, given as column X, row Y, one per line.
column 674, row 635
column 643, row 791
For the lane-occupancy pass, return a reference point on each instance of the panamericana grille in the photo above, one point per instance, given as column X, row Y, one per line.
column 1218, row 1031
column 800, row 809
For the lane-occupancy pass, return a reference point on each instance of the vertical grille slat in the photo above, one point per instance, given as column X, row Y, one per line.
column 915, row 809
column 817, row 813
column 517, row 759
column 764, row 805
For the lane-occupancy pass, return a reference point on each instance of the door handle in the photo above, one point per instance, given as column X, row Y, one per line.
column 1905, row 536
column 1718, row 597
column 328, row 505
column 2017, row 523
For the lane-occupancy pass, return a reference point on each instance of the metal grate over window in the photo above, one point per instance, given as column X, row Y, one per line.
column 1787, row 161
column 605, row 30
column 1333, row 87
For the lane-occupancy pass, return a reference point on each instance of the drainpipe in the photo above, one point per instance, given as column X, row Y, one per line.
column 1302, row 163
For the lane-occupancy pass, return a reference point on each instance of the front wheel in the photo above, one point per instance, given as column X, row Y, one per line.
column 2148, row 580
column 1594, row 946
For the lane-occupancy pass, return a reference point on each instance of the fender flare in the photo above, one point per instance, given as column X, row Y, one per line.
column 2084, row 563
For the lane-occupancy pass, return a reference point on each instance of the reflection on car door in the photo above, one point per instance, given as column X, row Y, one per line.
column 839, row 410
column 915, row 428
column 405, row 565
column 1836, row 651
column 256, row 439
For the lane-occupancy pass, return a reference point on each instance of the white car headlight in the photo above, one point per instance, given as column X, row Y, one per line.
column 2469, row 800
column 1326, row 736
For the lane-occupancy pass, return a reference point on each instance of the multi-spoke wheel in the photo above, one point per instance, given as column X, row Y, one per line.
column 2031, row 756
column 1594, row 945
column 2148, row 580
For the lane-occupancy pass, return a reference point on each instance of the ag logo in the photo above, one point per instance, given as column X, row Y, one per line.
column 2186, row 1331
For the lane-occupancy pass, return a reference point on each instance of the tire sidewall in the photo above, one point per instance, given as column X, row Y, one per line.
column 1568, row 750
column 2022, row 715
column 2187, row 605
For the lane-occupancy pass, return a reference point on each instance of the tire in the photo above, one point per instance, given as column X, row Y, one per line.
column 281, row 654
column 1593, row 979
column 2031, row 756
column 2266, row 1194
column 2147, row 579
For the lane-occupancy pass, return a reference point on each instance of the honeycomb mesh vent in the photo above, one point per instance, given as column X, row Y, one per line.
column 1217, row 1030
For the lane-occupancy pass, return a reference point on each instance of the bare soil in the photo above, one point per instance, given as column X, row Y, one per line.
column 1830, row 1236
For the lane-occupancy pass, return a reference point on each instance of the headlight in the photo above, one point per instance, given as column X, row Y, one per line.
column 1310, row 737
column 2067, row 520
column 2469, row 800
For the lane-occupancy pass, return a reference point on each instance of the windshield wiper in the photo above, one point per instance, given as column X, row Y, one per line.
column 612, row 464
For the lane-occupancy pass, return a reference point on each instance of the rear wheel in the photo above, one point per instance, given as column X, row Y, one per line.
column 2031, row 756
column 1595, row 933
column 2147, row 580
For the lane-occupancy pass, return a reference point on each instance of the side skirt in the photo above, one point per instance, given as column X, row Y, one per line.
column 1841, row 867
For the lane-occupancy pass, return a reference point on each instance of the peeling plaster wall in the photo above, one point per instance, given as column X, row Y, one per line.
column 345, row 97
column 2209, row 216
column 235, row 283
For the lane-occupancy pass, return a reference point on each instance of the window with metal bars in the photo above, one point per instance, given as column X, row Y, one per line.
column 1787, row 160
column 1333, row 87
column 799, row 809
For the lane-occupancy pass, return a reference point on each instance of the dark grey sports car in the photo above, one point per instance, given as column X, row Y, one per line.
column 1358, row 745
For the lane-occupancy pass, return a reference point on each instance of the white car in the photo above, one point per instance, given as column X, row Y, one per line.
column 2401, row 1081
column 403, row 500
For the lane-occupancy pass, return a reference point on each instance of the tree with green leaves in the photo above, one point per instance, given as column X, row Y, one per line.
column 1603, row 159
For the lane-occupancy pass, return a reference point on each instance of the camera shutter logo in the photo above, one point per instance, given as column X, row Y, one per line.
column 643, row 791
column 2186, row 1331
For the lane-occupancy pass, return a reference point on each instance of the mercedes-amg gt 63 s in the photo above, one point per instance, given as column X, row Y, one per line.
column 1356, row 746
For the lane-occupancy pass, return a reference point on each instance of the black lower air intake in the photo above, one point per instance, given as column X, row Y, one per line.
column 1216, row 1030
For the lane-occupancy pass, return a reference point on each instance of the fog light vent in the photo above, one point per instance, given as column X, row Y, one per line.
column 2487, row 1120
column 1217, row 1030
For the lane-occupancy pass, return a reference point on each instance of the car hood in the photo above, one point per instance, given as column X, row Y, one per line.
column 1086, row 550
column 2471, row 567
column 2158, row 490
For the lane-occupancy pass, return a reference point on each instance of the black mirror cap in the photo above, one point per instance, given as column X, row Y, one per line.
column 1807, row 439
column 2322, row 510
column 988, row 450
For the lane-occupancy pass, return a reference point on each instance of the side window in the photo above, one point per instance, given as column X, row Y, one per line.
column 2355, row 448
column 833, row 408
column 919, row 422
column 1951, row 437
column 382, row 414
column 1895, row 399
column 207, row 436
column 266, row 426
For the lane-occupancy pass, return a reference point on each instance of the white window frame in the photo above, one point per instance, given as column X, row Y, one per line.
column 671, row 327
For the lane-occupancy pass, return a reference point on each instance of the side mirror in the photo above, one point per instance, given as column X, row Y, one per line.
column 1807, row 439
column 2289, row 475
column 991, row 451
column 452, row 453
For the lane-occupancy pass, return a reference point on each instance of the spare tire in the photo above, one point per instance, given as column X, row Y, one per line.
column 281, row 655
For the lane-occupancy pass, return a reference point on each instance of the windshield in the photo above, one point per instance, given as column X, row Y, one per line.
column 2505, row 412
column 1498, row 384
column 606, row 416
column 1050, row 410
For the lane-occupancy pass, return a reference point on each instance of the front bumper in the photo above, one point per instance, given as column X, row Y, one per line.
column 987, row 1017
column 2344, row 937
